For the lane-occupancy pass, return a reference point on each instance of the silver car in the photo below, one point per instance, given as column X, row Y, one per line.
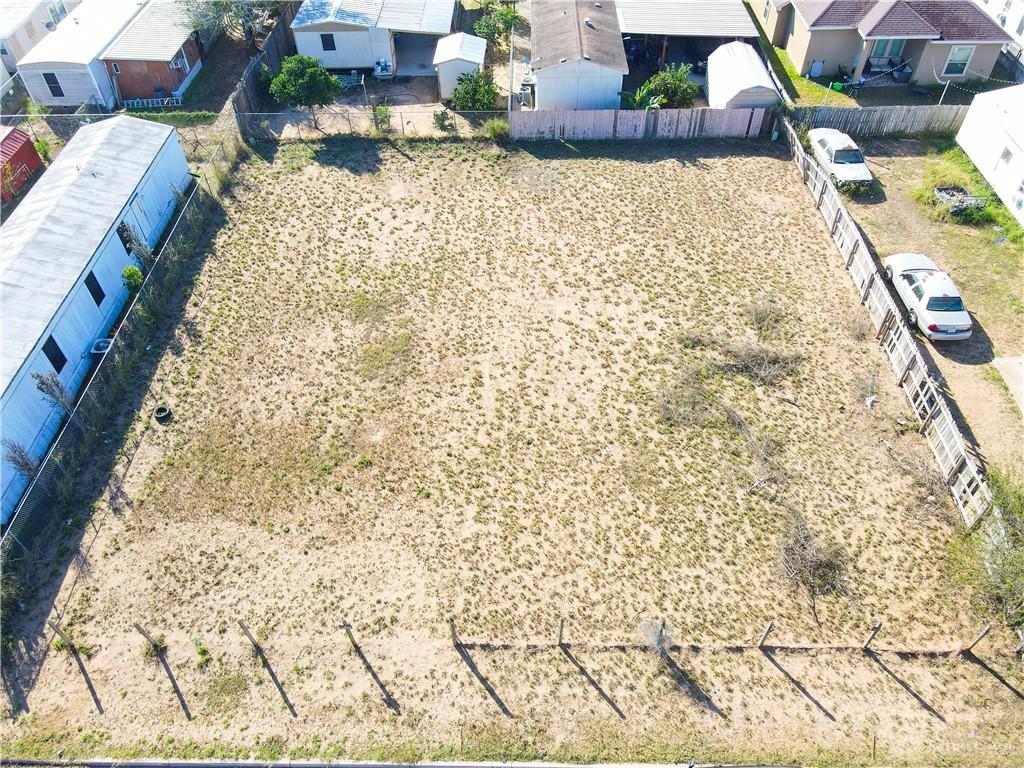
column 932, row 300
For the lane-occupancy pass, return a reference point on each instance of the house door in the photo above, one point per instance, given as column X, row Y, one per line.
column 139, row 208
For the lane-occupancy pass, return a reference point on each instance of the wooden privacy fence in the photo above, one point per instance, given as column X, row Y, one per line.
column 640, row 124
column 961, row 472
column 885, row 121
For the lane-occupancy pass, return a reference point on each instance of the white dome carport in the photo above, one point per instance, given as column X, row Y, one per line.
column 738, row 78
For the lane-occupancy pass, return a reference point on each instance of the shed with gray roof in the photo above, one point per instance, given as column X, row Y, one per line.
column 578, row 60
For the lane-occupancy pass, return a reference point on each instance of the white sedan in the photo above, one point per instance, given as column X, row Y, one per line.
column 838, row 155
column 933, row 302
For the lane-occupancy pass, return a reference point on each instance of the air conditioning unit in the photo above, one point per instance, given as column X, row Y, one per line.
column 1001, row 18
column 177, row 64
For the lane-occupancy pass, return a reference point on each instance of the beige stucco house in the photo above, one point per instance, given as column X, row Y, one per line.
column 918, row 41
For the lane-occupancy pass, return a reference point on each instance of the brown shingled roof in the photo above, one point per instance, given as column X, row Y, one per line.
column 573, row 30
column 953, row 20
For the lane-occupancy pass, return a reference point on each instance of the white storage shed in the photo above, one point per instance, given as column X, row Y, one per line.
column 992, row 135
column 64, row 69
column 457, row 55
column 578, row 59
column 392, row 37
column 738, row 78
column 60, row 268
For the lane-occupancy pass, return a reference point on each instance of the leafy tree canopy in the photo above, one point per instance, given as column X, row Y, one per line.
column 303, row 82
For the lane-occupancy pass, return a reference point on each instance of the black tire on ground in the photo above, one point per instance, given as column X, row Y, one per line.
column 888, row 274
column 912, row 319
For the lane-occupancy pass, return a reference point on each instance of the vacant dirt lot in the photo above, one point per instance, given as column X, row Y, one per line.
column 431, row 380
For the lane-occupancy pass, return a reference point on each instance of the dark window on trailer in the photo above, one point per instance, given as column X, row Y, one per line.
column 327, row 41
column 95, row 289
column 54, row 355
column 125, row 234
column 51, row 82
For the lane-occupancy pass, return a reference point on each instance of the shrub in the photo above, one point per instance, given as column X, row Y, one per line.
column 814, row 565
column 494, row 129
column 382, row 117
column 674, row 86
column 154, row 649
column 688, row 402
column 43, row 148
column 766, row 314
column 444, row 121
column 475, row 92
column 132, row 278
column 854, row 189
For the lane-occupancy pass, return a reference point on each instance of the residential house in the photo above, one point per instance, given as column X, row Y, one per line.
column 578, row 61
column 64, row 69
column 992, row 135
column 155, row 58
column 920, row 41
column 23, row 23
column 65, row 248
column 389, row 37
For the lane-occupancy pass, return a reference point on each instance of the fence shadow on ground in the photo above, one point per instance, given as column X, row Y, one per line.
column 590, row 679
column 769, row 653
column 684, row 151
column 874, row 657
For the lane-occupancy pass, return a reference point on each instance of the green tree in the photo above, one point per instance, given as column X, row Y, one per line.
column 642, row 98
column 475, row 92
column 303, row 82
column 245, row 17
column 674, row 86
column 132, row 278
column 497, row 24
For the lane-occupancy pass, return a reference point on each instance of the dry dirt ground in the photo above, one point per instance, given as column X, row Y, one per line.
column 427, row 380
column 990, row 277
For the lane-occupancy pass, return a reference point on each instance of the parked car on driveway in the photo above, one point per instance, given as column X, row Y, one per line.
column 932, row 300
column 839, row 155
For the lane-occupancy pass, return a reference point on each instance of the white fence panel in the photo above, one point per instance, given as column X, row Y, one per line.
column 639, row 124
column 886, row 121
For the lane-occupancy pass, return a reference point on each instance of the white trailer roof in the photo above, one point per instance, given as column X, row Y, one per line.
column 155, row 34
column 733, row 68
column 54, row 232
column 84, row 33
column 685, row 18
column 1008, row 102
column 461, row 47
column 427, row 16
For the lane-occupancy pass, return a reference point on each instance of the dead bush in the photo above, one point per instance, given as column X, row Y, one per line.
column 765, row 450
column 865, row 386
column 688, row 402
column 696, row 340
column 814, row 565
column 761, row 363
column 765, row 313
column 859, row 325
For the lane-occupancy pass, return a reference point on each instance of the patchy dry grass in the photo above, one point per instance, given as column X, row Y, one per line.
column 444, row 380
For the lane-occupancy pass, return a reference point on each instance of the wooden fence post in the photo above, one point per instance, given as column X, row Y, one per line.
column 981, row 636
column 874, row 632
column 764, row 635
column 455, row 637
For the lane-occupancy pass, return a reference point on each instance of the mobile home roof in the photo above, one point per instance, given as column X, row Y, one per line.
column 155, row 34
column 54, row 232
column 685, row 18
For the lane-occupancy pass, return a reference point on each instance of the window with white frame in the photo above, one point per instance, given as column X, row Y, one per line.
column 767, row 7
column 115, row 67
column 959, row 58
column 57, row 10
